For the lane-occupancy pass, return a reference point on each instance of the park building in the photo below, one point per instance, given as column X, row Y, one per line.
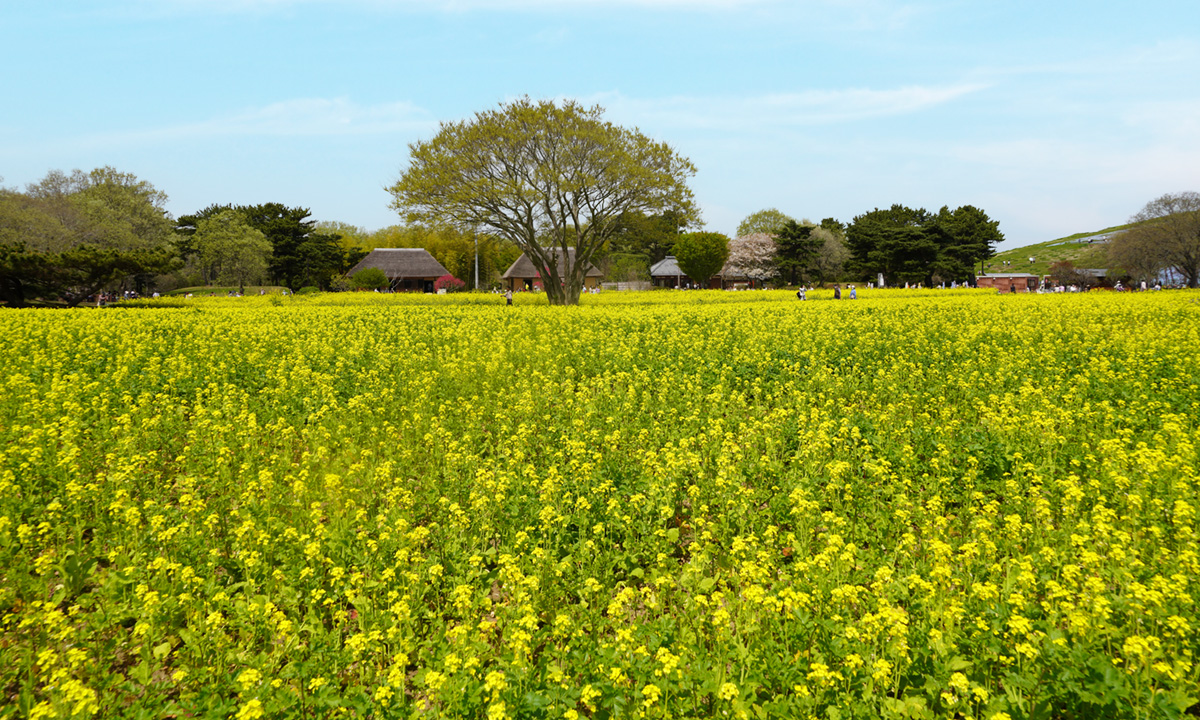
column 522, row 275
column 407, row 269
column 1009, row 282
column 666, row 274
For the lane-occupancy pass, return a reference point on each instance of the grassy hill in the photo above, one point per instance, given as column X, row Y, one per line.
column 1084, row 250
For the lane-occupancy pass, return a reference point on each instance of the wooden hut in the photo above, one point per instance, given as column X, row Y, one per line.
column 522, row 274
column 407, row 269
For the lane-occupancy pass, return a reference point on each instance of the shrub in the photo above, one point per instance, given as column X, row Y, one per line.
column 449, row 283
column 369, row 279
column 308, row 290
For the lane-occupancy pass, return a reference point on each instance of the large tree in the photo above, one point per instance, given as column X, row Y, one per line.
column 231, row 251
column 968, row 236
column 831, row 257
column 69, row 236
column 650, row 236
column 796, row 248
column 296, row 260
column 301, row 253
column 770, row 221
column 701, row 255
column 552, row 178
column 908, row 245
column 752, row 256
column 1167, row 236
column 27, row 229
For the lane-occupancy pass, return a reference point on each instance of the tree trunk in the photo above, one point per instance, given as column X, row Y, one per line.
column 554, row 291
column 13, row 293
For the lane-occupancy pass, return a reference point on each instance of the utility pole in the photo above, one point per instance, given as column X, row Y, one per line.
column 475, row 233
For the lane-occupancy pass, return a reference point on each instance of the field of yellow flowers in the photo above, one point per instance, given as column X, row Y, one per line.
column 938, row 504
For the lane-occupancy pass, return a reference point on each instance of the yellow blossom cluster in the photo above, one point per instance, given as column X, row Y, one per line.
column 653, row 505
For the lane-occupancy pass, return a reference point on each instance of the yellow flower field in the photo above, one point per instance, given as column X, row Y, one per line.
column 701, row 504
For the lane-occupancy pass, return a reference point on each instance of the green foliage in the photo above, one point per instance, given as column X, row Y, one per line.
column 795, row 250
column 546, row 176
column 648, row 236
column 369, row 279
column 916, row 246
column 106, row 208
column 626, row 267
column 301, row 254
column 230, row 251
column 832, row 254
column 225, row 289
column 68, row 236
column 349, row 236
column 834, row 226
column 770, row 221
column 967, row 236
column 701, row 255
column 24, row 274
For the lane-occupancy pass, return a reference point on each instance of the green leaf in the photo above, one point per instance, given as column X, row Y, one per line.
column 534, row 700
column 958, row 663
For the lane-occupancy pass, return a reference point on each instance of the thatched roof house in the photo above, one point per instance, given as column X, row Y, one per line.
column 407, row 269
column 522, row 274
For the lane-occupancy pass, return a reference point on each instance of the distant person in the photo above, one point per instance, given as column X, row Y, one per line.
column 508, row 297
column 801, row 295
column 837, row 292
column 853, row 293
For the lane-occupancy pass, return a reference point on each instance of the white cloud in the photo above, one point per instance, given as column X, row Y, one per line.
column 779, row 110
column 312, row 117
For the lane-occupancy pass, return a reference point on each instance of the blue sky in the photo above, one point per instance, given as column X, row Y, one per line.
column 1054, row 117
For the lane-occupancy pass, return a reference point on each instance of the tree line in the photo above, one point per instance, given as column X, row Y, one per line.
column 71, row 235
column 68, row 236
column 554, row 181
column 902, row 244
column 569, row 188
